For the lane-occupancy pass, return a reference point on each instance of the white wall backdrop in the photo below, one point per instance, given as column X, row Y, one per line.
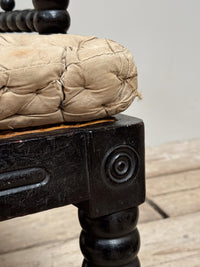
column 164, row 37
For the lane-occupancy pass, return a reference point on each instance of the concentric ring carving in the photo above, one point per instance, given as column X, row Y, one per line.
column 121, row 164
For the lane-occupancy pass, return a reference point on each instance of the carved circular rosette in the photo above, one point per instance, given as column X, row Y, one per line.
column 120, row 165
column 111, row 240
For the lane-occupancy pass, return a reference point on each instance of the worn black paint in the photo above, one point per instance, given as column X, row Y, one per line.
column 21, row 21
column 7, row 5
column 63, row 157
column 98, row 168
column 3, row 22
column 29, row 20
column 126, row 132
column 11, row 21
column 23, row 180
column 50, row 4
column 51, row 21
column 49, row 16
column 134, row 263
column 75, row 160
column 111, row 240
column 73, row 166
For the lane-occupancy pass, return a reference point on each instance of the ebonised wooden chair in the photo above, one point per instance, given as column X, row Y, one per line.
column 96, row 166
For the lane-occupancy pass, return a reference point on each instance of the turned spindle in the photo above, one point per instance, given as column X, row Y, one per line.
column 21, row 21
column 49, row 16
column 17, row 21
column 6, row 19
column 50, row 4
column 111, row 240
column 7, row 5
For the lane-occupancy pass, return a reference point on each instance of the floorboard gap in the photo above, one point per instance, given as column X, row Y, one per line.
column 157, row 208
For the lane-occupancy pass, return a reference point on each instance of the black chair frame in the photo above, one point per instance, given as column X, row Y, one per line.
column 98, row 167
column 48, row 16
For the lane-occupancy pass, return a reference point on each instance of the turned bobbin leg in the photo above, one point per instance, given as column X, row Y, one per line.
column 111, row 240
column 117, row 184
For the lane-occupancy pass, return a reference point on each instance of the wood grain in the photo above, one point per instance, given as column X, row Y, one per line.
column 168, row 184
column 57, row 225
column 176, row 194
column 172, row 240
column 55, row 254
column 148, row 214
column 173, row 158
column 179, row 203
column 164, row 242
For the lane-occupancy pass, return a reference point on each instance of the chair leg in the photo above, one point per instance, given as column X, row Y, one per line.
column 111, row 240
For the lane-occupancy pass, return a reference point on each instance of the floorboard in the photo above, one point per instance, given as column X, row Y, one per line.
column 168, row 241
column 173, row 158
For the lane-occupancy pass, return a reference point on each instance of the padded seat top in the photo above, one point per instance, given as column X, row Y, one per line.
column 47, row 79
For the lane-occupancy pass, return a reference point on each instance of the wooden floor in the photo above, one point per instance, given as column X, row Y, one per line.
column 169, row 220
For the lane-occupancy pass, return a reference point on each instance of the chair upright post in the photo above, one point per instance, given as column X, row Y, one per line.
column 47, row 17
column 51, row 16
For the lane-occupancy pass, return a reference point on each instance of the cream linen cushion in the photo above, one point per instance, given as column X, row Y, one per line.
column 48, row 79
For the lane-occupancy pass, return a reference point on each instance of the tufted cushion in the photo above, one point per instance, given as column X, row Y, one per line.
column 47, row 79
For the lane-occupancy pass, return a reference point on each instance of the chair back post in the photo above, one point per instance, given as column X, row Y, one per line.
column 49, row 16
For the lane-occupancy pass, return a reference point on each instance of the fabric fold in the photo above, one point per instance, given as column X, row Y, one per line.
column 47, row 79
